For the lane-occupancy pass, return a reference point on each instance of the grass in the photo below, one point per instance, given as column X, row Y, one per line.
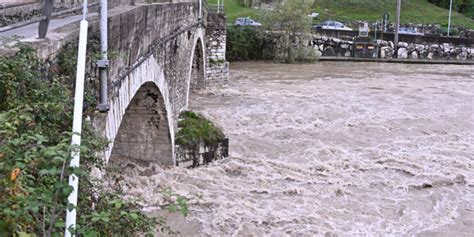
column 233, row 10
column 413, row 11
column 195, row 129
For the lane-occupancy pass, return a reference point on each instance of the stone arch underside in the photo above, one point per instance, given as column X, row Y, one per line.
column 197, row 77
column 144, row 133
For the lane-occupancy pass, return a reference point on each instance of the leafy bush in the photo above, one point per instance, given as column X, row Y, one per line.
column 244, row 43
column 195, row 129
column 35, row 125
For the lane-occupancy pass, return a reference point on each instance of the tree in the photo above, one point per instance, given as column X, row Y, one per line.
column 465, row 7
column 290, row 18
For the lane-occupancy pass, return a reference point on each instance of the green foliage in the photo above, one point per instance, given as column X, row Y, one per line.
column 180, row 204
column 370, row 10
column 195, row 129
column 35, row 125
column 444, row 31
column 290, row 17
column 465, row 7
column 244, row 43
column 113, row 217
column 234, row 9
column 413, row 11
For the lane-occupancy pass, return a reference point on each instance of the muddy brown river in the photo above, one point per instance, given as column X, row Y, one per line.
column 331, row 149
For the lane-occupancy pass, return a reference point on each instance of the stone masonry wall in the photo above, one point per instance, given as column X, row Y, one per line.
column 191, row 157
column 164, row 36
column 343, row 48
column 217, row 70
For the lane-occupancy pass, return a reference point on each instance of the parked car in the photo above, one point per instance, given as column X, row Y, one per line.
column 331, row 25
column 408, row 31
column 246, row 21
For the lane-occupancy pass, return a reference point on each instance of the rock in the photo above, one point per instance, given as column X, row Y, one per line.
column 344, row 46
column 422, row 54
column 347, row 54
column 462, row 56
column 430, row 55
column 386, row 52
column 391, row 44
column 402, row 44
column 411, row 48
column 382, row 52
column 419, row 47
column 321, row 47
column 382, row 43
column 329, row 51
column 446, row 46
column 414, row 55
column 402, row 53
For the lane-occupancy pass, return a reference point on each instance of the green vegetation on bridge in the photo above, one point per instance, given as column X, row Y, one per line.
column 413, row 11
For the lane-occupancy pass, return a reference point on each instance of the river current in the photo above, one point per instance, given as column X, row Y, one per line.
column 330, row 149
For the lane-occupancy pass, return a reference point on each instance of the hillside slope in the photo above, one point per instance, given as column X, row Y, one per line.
column 413, row 11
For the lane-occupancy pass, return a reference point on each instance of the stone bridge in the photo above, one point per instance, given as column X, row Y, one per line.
column 164, row 51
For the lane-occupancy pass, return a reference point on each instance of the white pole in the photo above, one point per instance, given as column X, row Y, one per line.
column 218, row 6
column 449, row 18
column 77, row 125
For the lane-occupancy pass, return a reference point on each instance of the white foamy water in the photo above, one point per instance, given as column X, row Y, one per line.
column 335, row 149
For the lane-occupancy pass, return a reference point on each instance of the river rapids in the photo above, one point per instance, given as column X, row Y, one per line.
column 329, row 149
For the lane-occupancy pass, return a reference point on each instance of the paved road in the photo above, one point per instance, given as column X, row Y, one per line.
column 31, row 31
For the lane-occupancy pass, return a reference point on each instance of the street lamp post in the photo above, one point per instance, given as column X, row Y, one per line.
column 449, row 18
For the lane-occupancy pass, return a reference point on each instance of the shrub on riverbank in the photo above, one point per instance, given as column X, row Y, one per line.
column 285, row 36
column 244, row 43
column 195, row 129
column 250, row 43
column 35, row 137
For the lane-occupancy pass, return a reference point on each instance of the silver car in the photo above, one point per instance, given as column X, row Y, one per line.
column 332, row 25
column 246, row 21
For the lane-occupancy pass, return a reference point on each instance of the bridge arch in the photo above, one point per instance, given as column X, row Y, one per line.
column 197, row 67
column 143, row 135
column 139, row 124
column 145, row 104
